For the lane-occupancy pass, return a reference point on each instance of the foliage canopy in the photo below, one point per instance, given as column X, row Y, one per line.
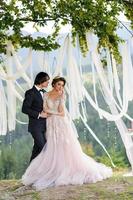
column 99, row 16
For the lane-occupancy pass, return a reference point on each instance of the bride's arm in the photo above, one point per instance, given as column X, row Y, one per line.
column 61, row 107
column 60, row 110
column 45, row 105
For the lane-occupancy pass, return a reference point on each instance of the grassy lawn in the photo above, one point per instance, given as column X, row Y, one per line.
column 115, row 188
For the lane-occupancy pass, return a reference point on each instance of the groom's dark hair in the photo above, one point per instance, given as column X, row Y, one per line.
column 41, row 77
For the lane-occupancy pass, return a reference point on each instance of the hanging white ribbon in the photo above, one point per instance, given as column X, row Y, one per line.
column 110, row 72
column 11, row 100
column 116, row 81
column 3, row 111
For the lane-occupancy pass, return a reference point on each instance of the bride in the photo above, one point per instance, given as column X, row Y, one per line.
column 62, row 161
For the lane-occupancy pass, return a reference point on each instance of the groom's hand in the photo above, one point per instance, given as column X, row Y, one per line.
column 43, row 115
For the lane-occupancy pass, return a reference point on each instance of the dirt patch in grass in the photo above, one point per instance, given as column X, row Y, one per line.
column 115, row 188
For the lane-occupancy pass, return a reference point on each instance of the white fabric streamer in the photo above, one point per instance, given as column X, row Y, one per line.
column 110, row 72
column 10, row 96
column 3, row 111
column 76, row 90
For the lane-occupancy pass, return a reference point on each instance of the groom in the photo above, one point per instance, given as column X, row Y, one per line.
column 33, row 107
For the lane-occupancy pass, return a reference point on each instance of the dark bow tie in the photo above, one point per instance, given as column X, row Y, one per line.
column 42, row 90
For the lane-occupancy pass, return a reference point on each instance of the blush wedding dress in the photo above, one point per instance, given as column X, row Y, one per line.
column 62, row 161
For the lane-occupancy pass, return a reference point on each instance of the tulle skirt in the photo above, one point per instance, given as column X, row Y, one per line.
column 62, row 161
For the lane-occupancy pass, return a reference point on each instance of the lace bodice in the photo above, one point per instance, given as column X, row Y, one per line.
column 51, row 105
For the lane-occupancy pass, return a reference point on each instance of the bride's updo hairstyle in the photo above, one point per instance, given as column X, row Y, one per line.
column 57, row 79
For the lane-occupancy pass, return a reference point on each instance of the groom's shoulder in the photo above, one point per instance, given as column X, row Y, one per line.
column 30, row 91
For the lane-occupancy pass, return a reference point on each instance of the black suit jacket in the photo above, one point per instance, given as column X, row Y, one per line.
column 32, row 106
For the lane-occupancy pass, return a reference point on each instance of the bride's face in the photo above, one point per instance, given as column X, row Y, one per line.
column 59, row 86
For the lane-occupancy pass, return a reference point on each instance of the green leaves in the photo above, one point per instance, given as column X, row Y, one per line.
column 128, row 5
column 84, row 15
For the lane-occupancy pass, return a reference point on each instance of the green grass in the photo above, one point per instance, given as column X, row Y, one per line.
column 114, row 188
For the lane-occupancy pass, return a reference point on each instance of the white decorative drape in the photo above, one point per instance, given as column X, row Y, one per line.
column 127, row 95
column 3, row 110
column 108, row 79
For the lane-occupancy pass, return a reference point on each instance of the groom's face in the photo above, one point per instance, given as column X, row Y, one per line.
column 45, row 84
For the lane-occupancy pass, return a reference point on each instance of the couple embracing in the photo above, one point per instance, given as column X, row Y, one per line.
column 57, row 157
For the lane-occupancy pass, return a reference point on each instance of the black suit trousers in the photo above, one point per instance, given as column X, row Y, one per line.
column 39, row 142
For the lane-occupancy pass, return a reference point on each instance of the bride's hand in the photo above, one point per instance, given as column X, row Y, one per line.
column 62, row 94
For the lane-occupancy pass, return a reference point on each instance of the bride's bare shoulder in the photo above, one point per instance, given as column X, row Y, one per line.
column 47, row 94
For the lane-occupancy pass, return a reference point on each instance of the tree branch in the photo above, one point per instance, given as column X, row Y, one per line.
column 36, row 20
column 125, row 26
